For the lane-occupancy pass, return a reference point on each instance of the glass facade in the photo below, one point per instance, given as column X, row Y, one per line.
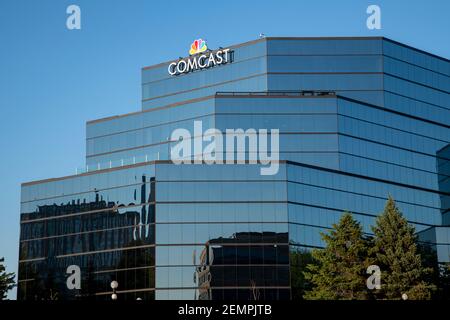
column 359, row 119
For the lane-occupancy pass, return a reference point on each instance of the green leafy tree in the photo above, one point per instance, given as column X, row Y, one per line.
column 6, row 280
column 396, row 253
column 339, row 271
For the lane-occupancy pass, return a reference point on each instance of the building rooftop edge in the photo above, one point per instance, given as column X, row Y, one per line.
column 231, row 94
column 315, row 38
column 140, row 164
column 29, row 183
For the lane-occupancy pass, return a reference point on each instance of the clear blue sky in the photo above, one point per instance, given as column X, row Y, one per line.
column 53, row 80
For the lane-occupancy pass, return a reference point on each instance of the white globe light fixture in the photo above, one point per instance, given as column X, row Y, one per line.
column 114, row 284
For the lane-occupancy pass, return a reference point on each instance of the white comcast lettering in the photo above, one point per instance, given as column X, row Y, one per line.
column 199, row 62
column 236, row 141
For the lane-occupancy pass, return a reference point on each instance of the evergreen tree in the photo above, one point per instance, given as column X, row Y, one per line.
column 299, row 259
column 444, row 281
column 430, row 261
column 395, row 252
column 340, row 268
column 6, row 280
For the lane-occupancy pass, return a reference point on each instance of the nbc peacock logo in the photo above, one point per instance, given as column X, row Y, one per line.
column 198, row 46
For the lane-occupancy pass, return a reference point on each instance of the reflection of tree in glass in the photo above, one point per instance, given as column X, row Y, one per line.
column 299, row 259
column 141, row 271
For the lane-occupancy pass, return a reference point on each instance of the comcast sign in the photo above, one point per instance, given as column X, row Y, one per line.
column 200, row 58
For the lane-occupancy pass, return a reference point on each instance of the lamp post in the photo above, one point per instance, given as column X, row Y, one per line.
column 114, row 285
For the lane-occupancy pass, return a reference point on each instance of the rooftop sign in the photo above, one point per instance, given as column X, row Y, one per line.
column 201, row 58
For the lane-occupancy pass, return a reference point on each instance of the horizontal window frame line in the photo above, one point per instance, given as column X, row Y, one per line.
column 155, row 289
column 352, row 212
column 423, row 52
column 247, row 244
column 150, row 225
column 319, row 73
column 215, row 202
column 32, row 260
column 149, row 203
column 82, row 213
column 360, row 194
column 130, row 149
column 161, row 143
column 234, row 113
column 85, row 232
column 25, row 280
column 299, row 164
column 215, row 96
column 415, row 65
column 211, row 115
column 200, row 70
column 304, row 245
column 172, row 141
column 433, row 243
column 148, row 127
column 204, row 87
column 323, row 73
column 310, row 225
column 246, row 78
column 220, row 180
column 166, row 106
column 233, row 287
column 186, row 266
column 150, row 163
column 412, row 98
column 355, row 55
column 327, row 228
column 102, row 293
column 78, row 252
column 89, row 191
column 63, row 256
column 394, row 147
column 292, row 244
column 323, row 54
column 110, row 271
column 223, row 265
column 226, row 244
column 221, row 222
column 395, row 164
column 393, row 128
column 124, row 269
column 416, row 83
column 383, row 108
